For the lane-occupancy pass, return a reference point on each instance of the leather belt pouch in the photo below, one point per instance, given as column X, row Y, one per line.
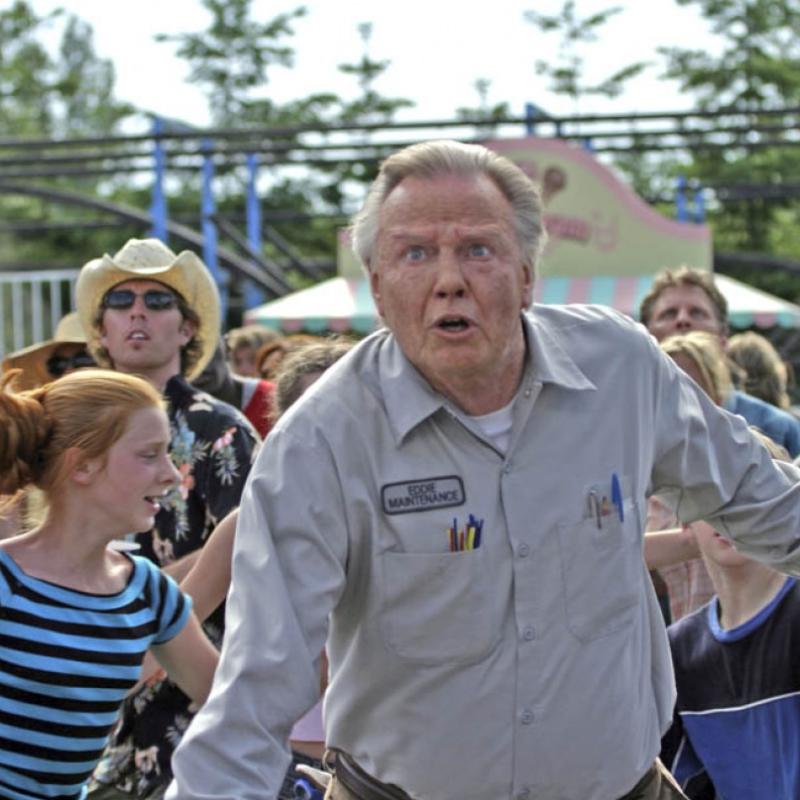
column 362, row 784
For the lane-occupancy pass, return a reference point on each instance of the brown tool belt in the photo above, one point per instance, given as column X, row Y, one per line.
column 361, row 783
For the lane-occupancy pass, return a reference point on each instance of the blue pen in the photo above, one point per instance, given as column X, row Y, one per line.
column 305, row 790
column 478, row 525
column 616, row 496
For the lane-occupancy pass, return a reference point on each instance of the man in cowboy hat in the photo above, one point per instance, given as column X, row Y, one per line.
column 51, row 358
column 152, row 313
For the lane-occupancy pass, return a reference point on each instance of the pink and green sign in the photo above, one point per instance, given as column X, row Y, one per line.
column 597, row 224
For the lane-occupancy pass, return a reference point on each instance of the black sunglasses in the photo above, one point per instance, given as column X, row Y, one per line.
column 59, row 365
column 154, row 299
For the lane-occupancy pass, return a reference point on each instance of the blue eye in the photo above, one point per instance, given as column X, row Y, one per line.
column 415, row 253
column 478, row 250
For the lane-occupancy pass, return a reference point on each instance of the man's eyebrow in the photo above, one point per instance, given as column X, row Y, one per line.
column 463, row 230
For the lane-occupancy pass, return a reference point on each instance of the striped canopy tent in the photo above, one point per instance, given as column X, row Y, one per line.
column 345, row 304
column 747, row 306
column 336, row 305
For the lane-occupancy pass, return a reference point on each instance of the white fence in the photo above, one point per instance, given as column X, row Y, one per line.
column 31, row 304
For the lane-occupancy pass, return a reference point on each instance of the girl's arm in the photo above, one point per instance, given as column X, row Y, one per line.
column 208, row 581
column 190, row 660
column 672, row 546
column 207, row 584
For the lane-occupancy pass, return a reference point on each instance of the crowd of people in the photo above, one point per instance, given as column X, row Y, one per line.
column 468, row 531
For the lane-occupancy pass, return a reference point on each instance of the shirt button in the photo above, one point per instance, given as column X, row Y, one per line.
column 524, row 551
column 506, row 468
column 524, row 793
column 529, row 634
column 526, row 718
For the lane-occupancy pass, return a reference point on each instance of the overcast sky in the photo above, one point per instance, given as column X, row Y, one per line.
column 437, row 50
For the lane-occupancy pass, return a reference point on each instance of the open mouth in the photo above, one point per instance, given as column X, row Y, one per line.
column 137, row 336
column 453, row 324
column 154, row 502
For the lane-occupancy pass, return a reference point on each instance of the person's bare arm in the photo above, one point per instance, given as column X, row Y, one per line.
column 209, row 579
column 190, row 660
column 178, row 570
column 668, row 547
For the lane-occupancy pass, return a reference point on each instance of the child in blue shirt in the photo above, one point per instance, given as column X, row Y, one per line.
column 736, row 733
column 77, row 613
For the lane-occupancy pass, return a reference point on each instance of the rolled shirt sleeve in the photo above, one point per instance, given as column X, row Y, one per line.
column 711, row 467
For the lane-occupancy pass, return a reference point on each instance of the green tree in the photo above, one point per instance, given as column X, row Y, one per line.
column 233, row 58
column 348, row 178
column 25, row 72
column 567, row 73
column 369, row 106
column 84, row 85
column 70, row 93
column 759, row 64
column 489, row 114
column 754, row 68
column 45, row 93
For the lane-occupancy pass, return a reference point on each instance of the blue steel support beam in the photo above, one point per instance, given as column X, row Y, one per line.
column 158, row 207
column 209, row 228
column 252, row 295
column 681, row 206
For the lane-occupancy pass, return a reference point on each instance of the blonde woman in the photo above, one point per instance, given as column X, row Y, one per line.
column 765, row 372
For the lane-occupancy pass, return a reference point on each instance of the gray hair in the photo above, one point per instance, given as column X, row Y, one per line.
column 439, row 158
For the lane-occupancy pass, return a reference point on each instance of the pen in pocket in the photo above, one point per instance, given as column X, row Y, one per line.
column 467, row 538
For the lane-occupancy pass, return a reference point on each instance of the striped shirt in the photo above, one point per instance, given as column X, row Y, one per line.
column 67, row 660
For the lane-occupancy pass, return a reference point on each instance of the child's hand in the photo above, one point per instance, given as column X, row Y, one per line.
column 151, row 674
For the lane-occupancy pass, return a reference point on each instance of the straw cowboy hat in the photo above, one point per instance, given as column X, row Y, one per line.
column 151, row 259
column 32, row 360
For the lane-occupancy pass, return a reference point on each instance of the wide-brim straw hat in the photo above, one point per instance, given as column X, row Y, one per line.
column 32, row 360
column 151, row 259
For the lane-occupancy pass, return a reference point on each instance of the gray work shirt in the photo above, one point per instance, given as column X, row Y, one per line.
column 534, row 665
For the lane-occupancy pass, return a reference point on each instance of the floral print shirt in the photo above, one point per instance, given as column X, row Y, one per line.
column 213, row 446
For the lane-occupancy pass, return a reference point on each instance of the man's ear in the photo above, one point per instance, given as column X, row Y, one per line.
column 375, row 288
column 79, row 468
column 188, row 329
column 527, row 285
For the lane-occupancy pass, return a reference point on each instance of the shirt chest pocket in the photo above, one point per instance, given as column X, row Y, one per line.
column 602, row 572
column 438, row 607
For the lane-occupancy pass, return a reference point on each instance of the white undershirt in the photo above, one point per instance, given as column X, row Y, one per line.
column 496, row 425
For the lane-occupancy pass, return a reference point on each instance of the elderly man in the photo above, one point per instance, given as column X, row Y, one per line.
column 150, row 312
column 457, row 506
column 688, row 300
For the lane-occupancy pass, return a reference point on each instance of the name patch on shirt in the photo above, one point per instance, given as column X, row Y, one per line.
column 422, row 495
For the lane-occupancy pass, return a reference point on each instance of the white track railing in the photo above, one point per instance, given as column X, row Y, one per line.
column 31, row 304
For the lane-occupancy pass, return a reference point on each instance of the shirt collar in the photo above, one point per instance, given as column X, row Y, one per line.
column 410, row 399
column 548, row 359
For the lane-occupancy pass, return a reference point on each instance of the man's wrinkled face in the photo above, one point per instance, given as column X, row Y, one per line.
column 680, row 309
column 449, row 277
